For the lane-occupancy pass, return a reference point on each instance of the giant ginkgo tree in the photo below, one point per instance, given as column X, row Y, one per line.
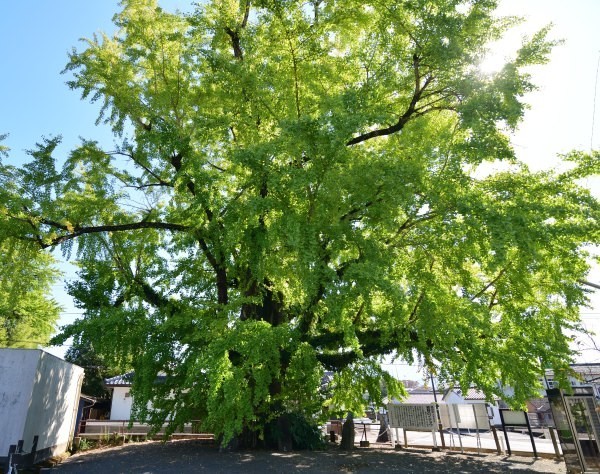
column 302, row 186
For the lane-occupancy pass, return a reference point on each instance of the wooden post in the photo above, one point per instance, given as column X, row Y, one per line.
column 498, row 448
column 531, row 436
column 437, row 413
column 554, row 443
column 504, row 428
column 477, row 429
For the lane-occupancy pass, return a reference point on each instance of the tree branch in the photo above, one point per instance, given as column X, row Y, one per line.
column 406, row 116
column 216, row 263
column 413, row 313
column 235, row 43
column 246, row 14
column 221, row 273
column 491, row 283
column 372, row 343
column 410, row 223
column 132, row 157
column 77, row 231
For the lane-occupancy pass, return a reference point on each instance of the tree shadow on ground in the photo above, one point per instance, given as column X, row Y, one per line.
column 189, row 456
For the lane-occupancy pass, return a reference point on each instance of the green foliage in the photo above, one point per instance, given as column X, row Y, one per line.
column 27, row 314
column 85, row 444
column 82, row 354
column 300, row 187
column 305, row 432
column 3, row 148
column 358, row 385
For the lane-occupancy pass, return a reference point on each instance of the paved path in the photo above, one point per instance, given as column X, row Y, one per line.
column 182, row 457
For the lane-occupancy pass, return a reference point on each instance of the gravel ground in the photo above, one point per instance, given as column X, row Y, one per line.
column 181, row 457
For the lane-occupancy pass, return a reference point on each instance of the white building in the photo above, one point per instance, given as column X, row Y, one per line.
column 122, row 400
column 120, row 385
column 587, row 375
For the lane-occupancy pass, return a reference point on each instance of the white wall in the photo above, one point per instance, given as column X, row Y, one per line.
column 40, row 394
column 53, row 409
column 121, row 404
column 452, row 397
column 17, row 376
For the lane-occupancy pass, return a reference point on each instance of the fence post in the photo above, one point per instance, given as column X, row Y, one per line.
column 554, row 443
column 36, row 438
column 531, row 436
column 11, row 450
column 504, row 428
column 498, row 448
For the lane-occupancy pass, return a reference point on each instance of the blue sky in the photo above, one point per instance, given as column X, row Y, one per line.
column 36, row 35
column 35, row 39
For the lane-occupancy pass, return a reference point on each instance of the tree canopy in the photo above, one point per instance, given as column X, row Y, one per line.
column 82, row 353
column 28, row 315
column 305, row 186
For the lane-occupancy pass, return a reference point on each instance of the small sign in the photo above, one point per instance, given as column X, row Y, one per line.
column 412, row 416
column 471, row 416
column 514, row 418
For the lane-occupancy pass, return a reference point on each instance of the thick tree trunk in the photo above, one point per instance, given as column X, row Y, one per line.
column 284, row 431
column 278, row 433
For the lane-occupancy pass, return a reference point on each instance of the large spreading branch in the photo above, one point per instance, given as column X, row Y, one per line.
column 73, row 232
column 213, row 258
column 413, row 110
column 234, row 34
column 373, row 342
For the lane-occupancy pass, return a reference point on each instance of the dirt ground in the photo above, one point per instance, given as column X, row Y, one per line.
column 191, row 457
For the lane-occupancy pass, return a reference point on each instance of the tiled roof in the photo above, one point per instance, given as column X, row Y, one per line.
column 124, row 380
column 472, row 394
column 588, row 371
column 419, row 395
column 420, row 398
column 538, row 405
